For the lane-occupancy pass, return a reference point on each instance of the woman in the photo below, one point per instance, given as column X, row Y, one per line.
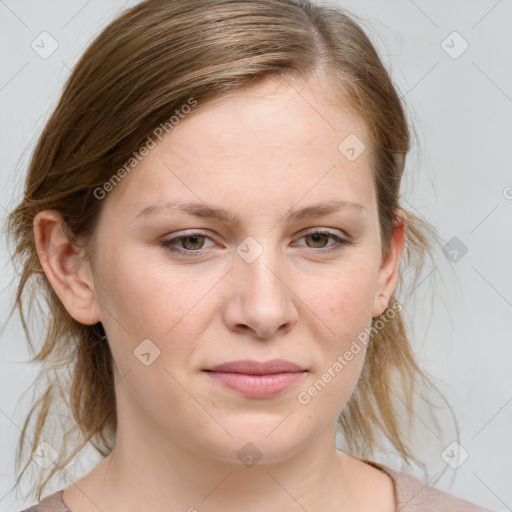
column 213, row 213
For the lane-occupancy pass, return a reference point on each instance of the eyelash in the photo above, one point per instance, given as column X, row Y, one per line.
column 169, row 245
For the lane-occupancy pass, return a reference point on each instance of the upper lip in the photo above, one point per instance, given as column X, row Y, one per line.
column 251, row 367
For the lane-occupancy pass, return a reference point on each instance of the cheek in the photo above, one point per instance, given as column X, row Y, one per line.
column 151, row 297
column 343, row 301
column 148, row 301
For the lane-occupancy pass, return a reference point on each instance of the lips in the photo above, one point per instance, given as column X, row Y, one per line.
column 251, row 367
column 257, row 380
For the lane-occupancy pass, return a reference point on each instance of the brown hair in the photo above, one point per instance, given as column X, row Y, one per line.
column 143, row 67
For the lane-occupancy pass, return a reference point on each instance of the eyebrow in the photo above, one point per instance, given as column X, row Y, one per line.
column 217, row 212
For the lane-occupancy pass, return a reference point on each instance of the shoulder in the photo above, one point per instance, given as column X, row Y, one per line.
column 414, row 495
column 52, row 503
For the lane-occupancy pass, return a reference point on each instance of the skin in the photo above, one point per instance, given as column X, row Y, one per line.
column 259, row 153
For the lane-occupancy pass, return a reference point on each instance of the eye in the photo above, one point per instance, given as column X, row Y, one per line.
column 319, row 238
column 191, row 243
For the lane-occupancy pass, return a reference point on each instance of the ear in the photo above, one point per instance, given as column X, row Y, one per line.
column 65, row 268
column 388, row 272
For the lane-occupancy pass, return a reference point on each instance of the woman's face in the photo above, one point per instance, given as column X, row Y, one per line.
column 181, row 292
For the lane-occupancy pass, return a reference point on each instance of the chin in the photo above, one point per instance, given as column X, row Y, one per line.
column 255, row 442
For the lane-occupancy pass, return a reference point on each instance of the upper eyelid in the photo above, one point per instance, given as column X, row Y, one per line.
column 305, row 232
column 343, row 236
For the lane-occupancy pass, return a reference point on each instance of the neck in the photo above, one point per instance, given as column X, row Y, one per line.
column 163, row 475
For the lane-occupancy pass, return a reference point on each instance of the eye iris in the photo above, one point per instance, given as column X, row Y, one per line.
column 316, row 235
column 194, row 238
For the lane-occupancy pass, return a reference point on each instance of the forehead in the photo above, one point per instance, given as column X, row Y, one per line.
column 265, row 116
column 279, row 141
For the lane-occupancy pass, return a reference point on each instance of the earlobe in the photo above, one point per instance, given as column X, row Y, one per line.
column 388, row 272
column 63, row 264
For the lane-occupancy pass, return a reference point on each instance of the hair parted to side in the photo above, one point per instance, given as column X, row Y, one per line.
column 144, row 66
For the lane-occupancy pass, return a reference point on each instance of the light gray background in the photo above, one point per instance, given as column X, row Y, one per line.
column 460, row 179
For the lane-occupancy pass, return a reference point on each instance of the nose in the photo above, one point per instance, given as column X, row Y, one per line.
column 261, row 298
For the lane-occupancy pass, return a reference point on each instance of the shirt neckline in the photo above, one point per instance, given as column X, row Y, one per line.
column 391, row 473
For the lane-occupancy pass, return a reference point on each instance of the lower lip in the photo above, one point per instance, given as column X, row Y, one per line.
column 257, row 386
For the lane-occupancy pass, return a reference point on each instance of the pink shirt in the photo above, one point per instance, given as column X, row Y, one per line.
column 412, row 495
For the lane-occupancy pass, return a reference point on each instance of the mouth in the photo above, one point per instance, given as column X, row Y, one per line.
column 251, row 367
column 257, row 379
